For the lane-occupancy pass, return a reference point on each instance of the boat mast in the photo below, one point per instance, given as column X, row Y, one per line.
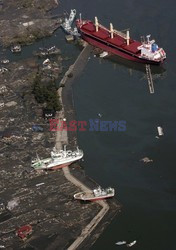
column 111, row 31
column 128, row 37
column 96, row 24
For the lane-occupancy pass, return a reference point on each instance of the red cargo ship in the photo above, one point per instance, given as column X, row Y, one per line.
column 119, row 43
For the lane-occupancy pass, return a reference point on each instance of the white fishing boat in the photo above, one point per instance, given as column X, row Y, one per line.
column 58, row 159
column 96, row 194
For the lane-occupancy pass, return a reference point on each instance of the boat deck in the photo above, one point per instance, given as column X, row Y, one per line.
column 104, row 35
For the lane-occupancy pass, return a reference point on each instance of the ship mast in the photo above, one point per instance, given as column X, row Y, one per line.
column 96, row 24
column 80, row 18
column 128, row 37
column 111, row 31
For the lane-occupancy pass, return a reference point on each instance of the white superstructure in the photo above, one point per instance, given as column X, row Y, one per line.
column 151, row 51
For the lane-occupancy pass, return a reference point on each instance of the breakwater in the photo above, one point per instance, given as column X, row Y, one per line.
column 66, row 98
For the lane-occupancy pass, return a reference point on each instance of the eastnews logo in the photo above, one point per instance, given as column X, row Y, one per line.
column 90, row 125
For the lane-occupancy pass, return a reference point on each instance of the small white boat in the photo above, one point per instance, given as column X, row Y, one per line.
column 120, row 243
column 104, row 54
column 132, row 243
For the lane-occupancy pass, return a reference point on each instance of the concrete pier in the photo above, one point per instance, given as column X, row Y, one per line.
column 94, row 222
column 149, row 78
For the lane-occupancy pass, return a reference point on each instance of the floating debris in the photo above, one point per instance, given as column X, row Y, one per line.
column 3, row 89
column 68, row 21
column 3, row 70
column 119, row 243
column 27, row 24
column 24, row 231
column 69, row 38
column 146, row 160
column 132, row 243
column 104, row 54
column 160, row 131
column 40, row 184
column 37, row 128
column 46, row 62
column 99, row 115
column 12, row 204
column 5, row 61
column 16, row 48
column 66, row 26
column 47, row 51
column 1, row 104
column 2, row 207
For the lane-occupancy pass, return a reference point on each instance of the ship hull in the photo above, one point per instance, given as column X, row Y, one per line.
column 61, row 166
column 89, row 196
column 114, row 51
column 54, row 166
column 95, row 199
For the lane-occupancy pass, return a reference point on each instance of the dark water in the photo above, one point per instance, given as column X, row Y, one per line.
column 119, row 91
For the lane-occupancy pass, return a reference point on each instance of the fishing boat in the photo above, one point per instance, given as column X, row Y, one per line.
column 119, row 43
column 95, row 194
column 58, row 159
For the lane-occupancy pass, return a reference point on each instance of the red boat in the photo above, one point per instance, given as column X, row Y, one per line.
column 119, row 43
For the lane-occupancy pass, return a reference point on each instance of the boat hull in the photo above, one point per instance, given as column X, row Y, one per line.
column 114, row 51
column 94, row 199
column 61, row 166
column 90, row 196
column 56, row 166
